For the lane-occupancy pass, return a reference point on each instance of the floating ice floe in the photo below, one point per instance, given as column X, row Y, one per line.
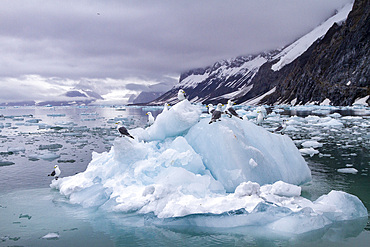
column 308, row 151
column 313, row 144
column 16, row 149
column 184, row 171
column 50, row 156
column 348, row 170
column 330, row 123
column 51, row 235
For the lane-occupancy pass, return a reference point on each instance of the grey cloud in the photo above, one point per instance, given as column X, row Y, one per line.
column 145, row 39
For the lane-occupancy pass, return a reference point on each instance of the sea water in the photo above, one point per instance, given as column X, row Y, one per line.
column 34, row 139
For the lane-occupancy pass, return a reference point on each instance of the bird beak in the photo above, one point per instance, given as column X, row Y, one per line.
column 207, row 106
column 55, row 166
column 234, row 103
column 116, row 123
column 146, row 114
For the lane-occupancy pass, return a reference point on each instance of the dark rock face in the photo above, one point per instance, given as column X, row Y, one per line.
column 335, row 67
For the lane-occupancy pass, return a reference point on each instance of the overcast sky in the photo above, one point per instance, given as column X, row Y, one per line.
column 119, row 46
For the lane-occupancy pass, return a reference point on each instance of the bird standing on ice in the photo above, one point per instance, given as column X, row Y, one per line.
column 181, row 95
column 211, row 109
column 56, row 172
column 150, row 118
column 216, row 115
column 281, row 128
column 165, row 107
column 259, row 118
column 230, row 110
column 122, row 130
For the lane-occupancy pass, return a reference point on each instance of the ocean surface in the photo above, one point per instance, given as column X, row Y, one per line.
column 34, row 139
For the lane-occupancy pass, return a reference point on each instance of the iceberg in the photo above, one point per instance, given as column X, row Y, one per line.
column 183, row 170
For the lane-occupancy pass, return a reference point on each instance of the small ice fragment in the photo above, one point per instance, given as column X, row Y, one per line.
column 308, row 151
column 313, row 144
column 247, row 189
column 45, row 156
column 281, row 188
column 252, row 163
column 347, row 170
column 51, row 236
column 16, row 149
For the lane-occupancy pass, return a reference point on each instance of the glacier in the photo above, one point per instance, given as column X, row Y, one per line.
column 183, row 171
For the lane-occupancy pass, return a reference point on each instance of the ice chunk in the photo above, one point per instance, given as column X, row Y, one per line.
column 339, row 205
column 51, row 235
column 247, row 189
column 284, row 189
column 173, row 122
column 313, row 144
column 331, row 123
column 16, row 149
column 252, row 163
column 348, row 170
column 308, row 151
column 50, row 156
column 228, row 146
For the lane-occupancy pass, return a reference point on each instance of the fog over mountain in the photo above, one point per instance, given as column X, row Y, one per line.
column 122, row 48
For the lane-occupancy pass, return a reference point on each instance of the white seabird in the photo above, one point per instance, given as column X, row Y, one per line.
column 281, row 128
column 122, row 130
column 150, row 118
column 211, row 109
column 165, row 107
column 260, row 117
column 230, row 110
column 56, row 172
column 181, row 95
column 216, row 115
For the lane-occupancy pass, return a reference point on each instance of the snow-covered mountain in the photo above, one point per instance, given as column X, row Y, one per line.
column 74, row 97
column 293, row 75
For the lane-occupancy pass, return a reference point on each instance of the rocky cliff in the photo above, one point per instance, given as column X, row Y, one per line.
column 334, row 67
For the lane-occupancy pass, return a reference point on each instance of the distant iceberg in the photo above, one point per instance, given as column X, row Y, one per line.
column 181, row 167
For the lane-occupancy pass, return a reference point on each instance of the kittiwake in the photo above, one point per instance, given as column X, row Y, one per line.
column 181, row 95
column 122, row 130
column 150, row 118
column 56, row 172
column 230, row 110
column 281, row 128
column 259, row 117
column 216, row 115
column 211, row 109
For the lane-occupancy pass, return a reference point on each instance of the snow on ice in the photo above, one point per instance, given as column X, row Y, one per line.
column 233, row 170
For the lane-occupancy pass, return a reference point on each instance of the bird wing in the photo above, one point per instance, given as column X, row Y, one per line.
column 123, row 130
column 52, row 173
column 232, row 111
column 279, row 128
column 216, row 115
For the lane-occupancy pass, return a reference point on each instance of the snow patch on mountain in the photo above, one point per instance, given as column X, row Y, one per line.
column 256, row 100
column 290, row 53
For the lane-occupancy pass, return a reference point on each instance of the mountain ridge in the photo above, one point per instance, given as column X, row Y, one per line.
column 328, row 63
